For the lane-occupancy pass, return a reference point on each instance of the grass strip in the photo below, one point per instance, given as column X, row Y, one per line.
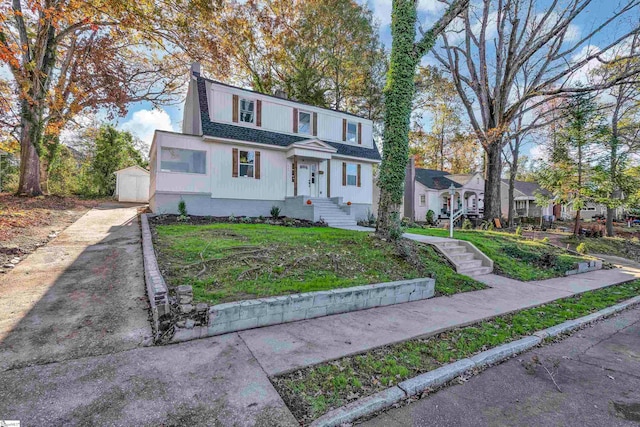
column 514, row 256
column 311, row 392
column 230, row 262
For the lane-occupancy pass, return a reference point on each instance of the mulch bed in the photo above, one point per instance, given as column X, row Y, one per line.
column 203, row 220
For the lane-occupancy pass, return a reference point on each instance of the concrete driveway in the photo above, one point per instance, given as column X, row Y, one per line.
column 598, row 373
column 83, row 294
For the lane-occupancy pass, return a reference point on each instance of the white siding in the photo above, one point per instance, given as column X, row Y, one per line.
column 176, row 181
column 352, row 193
column 271, row 185
column 277, row 114
column 431, row 202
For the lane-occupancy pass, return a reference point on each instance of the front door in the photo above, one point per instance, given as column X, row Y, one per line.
column 304, row 180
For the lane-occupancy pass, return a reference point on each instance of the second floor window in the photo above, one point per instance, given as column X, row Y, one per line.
column 304, row 122
column 246, row 110
column 246, row 162
column 352, row 132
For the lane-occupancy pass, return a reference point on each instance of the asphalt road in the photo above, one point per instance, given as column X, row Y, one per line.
column 598, row 372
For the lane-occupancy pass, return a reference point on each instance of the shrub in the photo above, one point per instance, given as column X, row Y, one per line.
column 232, row 218
column 466, row 224
column 491, row 226
column 396, row 228
column 545, row 240
column 519, row 231
column 182, row 208
column 581, row 248
column 275, row 212
column 371, row 218
column 431, row 217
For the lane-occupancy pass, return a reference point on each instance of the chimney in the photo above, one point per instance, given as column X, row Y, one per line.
column 281, row 94
column 195, row 68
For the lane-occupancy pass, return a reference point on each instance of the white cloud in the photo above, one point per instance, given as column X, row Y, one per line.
column 382, row 11
column 144, row 123
column 537, row 153
column 430, row 6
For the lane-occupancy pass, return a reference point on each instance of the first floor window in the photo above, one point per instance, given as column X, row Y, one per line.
column 304, row 122
column 181, row 160
column 423, row 200
column 246, row 110
column 352, row 132
column 246, row 161
column 352, row 174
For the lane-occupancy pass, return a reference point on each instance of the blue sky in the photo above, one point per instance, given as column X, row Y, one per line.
column 142, row 119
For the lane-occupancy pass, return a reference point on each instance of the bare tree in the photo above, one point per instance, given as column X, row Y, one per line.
column 499, row 41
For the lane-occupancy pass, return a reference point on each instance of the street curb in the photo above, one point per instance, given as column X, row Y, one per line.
column 385, row 399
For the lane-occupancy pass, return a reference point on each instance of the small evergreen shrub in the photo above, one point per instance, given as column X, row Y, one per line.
column 431, row 217
column 519, row 231
column 581, row 248
column 275, row 212
column 545, row 240
column 466, row 224
column 182, row 208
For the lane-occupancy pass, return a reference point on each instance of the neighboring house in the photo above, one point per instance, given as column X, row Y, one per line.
column 429, row 189
column 241, row 152
column 590, row 211
column 524, row 199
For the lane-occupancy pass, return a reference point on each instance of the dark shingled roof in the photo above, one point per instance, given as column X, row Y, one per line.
column 261, row 136
column 528, row 188
column 435, row 179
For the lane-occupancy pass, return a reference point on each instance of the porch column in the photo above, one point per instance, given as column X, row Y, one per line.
column 527, row 215
column 328, row 178
column 295, row 176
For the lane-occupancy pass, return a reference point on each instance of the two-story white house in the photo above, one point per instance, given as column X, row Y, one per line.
column 241, row 152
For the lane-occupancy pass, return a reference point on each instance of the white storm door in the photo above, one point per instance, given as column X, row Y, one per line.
column 304, row 180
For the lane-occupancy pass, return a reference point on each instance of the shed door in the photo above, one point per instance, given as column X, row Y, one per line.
column 133, row 188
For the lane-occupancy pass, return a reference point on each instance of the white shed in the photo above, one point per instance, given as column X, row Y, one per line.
column 132, row 184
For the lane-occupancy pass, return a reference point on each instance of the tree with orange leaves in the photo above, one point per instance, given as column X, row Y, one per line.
column 69, row 56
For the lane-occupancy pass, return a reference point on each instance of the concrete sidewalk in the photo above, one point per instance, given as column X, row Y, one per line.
column 82, row 294
column 598, row 373
column 286, row 347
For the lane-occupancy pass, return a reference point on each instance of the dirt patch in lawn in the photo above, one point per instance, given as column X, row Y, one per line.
column 231, row 262
column 27, row 223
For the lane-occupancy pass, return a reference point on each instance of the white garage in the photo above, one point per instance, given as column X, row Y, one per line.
column 132, row 184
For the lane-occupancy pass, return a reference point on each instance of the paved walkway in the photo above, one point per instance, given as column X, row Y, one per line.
column 82, row 294
column 599, row 375
column 286, row 347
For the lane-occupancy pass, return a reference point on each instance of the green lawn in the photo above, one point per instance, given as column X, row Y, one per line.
column 516, row 257
column 616, row 246
column 229, row 262
column 310, row 392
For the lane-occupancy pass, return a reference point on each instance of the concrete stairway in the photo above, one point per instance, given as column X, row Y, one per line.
column 466, row 258
column 332, row 214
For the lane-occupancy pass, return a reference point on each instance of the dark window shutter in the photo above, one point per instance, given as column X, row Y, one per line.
column 359, row 133
column 359, row 180
column 257, row 165
column 236, row 108
column 315, row 124
column 344, row 129
column 295, row 120
column 258, row 113
column 234, row 163
column 344, row 173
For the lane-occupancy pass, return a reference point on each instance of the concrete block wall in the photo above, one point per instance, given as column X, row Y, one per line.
column 583, row 267
column 156, row 287
column 236, row 316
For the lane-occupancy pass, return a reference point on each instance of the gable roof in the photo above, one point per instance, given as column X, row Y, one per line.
column 528, row 188
column 261, row 136
column 135, row 167
column 438, row 180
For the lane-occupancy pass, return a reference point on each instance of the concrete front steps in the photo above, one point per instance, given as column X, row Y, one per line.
column 331, row 213
column 465, row 257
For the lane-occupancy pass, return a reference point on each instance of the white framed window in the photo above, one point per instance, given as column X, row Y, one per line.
column 352, row 132
column 352, row 174
column 183, row 161
column 304, row 122
column 247, row 108
column 246, row 162
column 423, row 200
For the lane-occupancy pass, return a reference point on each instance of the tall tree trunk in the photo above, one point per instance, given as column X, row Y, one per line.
column 29, row 184
column 492, row 182
column 398, row 102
